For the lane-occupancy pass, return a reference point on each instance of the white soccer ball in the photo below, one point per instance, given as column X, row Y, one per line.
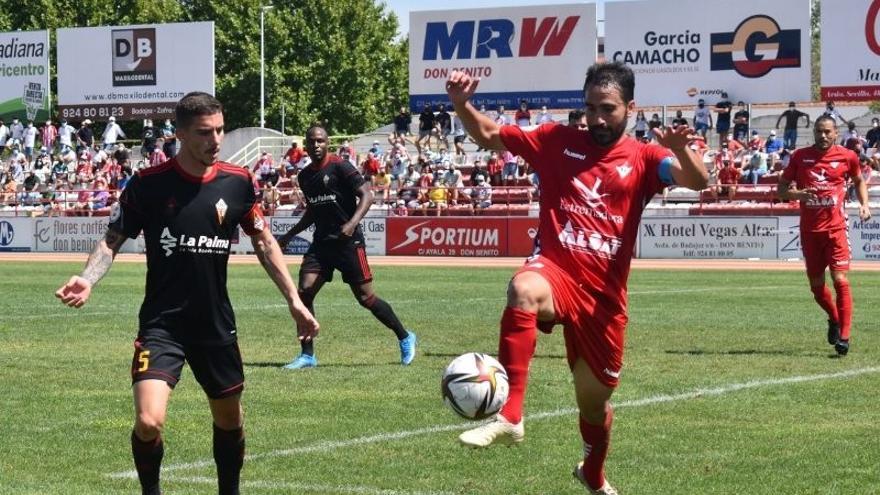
column 475, row 385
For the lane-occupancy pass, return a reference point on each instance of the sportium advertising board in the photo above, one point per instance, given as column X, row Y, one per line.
column 132, row 72
column 683, row 51
column 24, row 75
column 538, row 53
column 851, row 50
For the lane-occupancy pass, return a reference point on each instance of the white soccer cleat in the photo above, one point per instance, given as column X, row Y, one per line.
column 606, row 488
column 499, row 431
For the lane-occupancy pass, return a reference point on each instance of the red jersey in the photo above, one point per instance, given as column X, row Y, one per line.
column 729, row 175
column 591, row 202
column 826, row 172
column 294, row 155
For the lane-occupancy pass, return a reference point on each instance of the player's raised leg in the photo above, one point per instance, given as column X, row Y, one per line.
column 150, row 404
column 595, row 418
column 529, row 298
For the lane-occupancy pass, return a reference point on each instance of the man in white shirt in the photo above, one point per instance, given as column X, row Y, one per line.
column 544, row 116
column 16, row 130
column 29, row 135
column 111, row 133
column 65, row 136
column 4, row 135
column 702, row 118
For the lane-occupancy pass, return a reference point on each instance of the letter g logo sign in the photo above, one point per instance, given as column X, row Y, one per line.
column 871, row 27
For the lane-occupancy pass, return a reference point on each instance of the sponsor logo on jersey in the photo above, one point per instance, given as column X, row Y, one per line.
column 624, row 170
column 321, row 198
column 191, row 244
column 579, row 156
column 259, row 223
column 823, row 202
column 589, row 241
column 756, row 47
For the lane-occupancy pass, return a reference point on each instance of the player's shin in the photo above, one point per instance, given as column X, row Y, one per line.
column 596, row 438
column 823, row 297
column 229, row 458
column 844, row 306
column 516, row 347
column 147, row 461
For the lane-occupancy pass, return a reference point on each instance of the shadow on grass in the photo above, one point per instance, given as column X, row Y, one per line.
column 493, row 353
column 737, row 352
column 279, row 364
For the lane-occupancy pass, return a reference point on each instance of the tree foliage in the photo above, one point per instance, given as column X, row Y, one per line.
column 337, row 61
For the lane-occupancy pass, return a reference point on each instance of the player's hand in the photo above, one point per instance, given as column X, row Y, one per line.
column 461, row 87
column 675, row 139
column 808, row 194
column 864, row 213
column 306, row 325
column 347, row 229
column 75, row 292
column 284, row 240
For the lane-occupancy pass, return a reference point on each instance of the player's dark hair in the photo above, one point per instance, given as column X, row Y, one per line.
column 615, row 74
column 822, row 118
column 195, row 104
column 575, row 115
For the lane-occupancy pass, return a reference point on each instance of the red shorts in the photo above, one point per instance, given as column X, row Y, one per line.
column 828, row 249
column 592, row 332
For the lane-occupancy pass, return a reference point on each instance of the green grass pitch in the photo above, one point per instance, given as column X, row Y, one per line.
column 728, row 387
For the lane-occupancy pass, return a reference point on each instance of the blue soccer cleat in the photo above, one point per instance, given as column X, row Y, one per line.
column 408, row 349
column 302, row 361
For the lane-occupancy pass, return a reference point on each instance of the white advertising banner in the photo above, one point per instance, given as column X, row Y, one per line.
column 754, row 50
column 132, row 72
column 24, row 75
column 373, row 228
column 538, row 53
column 850, row 50
column 75, row 235
column 864, row 238
column 708, row 237
column 16, row 234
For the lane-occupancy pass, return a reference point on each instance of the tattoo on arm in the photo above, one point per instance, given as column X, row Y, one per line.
column 102, row 256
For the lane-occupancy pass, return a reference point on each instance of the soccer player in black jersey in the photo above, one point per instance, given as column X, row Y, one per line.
column 337, row 198
column 189, row 208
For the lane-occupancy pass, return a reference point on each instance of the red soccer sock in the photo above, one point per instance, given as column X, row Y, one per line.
column 516, row 347
column 823, row 296
column 844, row 307
column 597, row 438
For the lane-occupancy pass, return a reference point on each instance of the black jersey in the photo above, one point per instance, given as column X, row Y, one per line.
column 330, row 193
column 188, row 224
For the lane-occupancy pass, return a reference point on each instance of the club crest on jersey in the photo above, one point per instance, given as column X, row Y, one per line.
column 326, row 180
column 624, row 170
column 834, row 164
column 221, row 208
column 819, row 176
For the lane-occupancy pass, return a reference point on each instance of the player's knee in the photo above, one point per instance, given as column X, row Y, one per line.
column 148, row 426
column 366, row 300
column 594, row 412
column 526, row 291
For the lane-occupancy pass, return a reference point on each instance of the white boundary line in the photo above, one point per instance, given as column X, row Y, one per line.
column 328, row 445
column 304, row 487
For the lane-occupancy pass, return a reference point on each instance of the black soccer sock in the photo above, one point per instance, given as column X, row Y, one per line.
column 383, row 312
column 229, row 457
column 147, row 462
column 308, row 300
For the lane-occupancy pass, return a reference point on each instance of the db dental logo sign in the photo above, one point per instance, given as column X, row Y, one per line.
column 7, row 234
column 134, row 57
column 756, row 47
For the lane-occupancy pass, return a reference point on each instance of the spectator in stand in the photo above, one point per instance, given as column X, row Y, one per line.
column 426, row 128
column 149, row 137
column 866, row 172
column 873, row 136
column 501, row 118
column 479, row 173
column 454, row 182
column 458, row 136
column 16, row 131
column 402, row 122
column 48, row 134
column 495, row 167
column 122, row 155
column 370, row 166
column 728, row 177
column 754, row 163
column 292, row 157
column 735, row 146
column 443, row 122
column 792, row 116
column 85, row 136
column 523, row 116
column 508, row 173
column 169, row 137
column 408, row 192
column 679, row 120
column 100, row 194
column 834, row 114
column 157, row 157
column 59, row 171
column 112, row 133
column 346, row 152
column 65, row 136
column 544, row 117
column 577, row 119
column 438, row 197
column 702, row 118
column 4, row 138
column 722, row 122
column 773, row 147
column 855, row 142
column 381, row 182
column 29, row 140
column 741, row 123
column 641, row 125
column 376, row 149
column 482, row 195
column 654, row 123
column 849, row 133
column 755, row 141
column 399, row 158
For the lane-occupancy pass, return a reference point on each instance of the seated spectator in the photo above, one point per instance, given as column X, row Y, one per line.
column 508, row 172
column 346, row 152
column 437, row 197
column 291, row 158
column 755, row 141
column 382, row 185
column 479, row 173
column 370, row 166
column 728, row 178
column 100, row 195
column 10, row 188
column 482, row 195
column 454, row 182
column 773, row 145
column 157, row 157
column 265, row 171
column 523, row 117
column 495, row 167
column 754, row 166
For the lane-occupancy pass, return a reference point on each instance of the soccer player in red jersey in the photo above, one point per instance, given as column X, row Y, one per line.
column 820, row 174
column 189, row 209
column 594, row 186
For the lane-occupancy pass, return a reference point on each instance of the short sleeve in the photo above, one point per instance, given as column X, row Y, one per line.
column 528, row 144
column 252, row 222
column 127, row 214
column 789, row 173
column 350, row 176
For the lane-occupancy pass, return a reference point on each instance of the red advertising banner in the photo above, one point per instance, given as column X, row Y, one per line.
column 454, row 236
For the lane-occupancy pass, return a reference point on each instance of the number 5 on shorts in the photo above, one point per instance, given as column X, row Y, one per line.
column 144, row 360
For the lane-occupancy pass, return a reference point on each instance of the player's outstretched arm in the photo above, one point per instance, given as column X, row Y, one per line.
column 688, row 171
column 77, row 290
column 484, row 131
column 269, row 253
column 304, row 221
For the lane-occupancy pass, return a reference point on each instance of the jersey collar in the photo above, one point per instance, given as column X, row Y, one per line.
column 194, row 178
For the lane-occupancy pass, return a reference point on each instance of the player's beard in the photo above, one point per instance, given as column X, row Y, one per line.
column 606, row 136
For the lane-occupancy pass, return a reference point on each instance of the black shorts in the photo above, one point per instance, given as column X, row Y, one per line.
column 347, row 256
column 458, row 139
column 218, row 369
